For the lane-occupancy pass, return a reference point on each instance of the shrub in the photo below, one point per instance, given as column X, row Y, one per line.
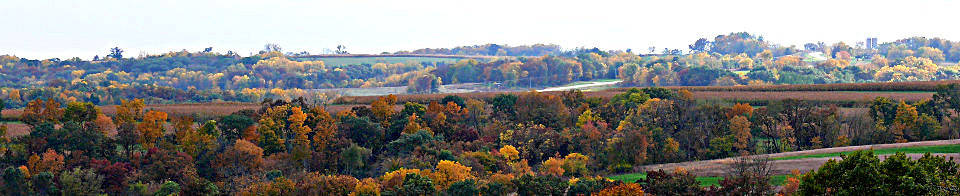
column 680, row 182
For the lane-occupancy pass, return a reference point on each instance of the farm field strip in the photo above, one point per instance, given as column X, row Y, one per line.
column 928, row 86
column 704, row 180
column 951, row 148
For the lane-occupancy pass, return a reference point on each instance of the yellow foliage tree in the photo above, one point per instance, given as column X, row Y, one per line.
column 367, row 187
column 449, row 172
column 129, row 111
column 151, row 129
column 575, row 164
column 740, row 127
column 509, row 153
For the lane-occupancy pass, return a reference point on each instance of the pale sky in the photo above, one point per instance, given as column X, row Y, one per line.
column 73, row 28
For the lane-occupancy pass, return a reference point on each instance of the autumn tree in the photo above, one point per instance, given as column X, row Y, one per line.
column 448, row 172
column 301, row 141
column 552, row 166
column 740, row 128
column 575, row 164
column 242, row 158
column 50, row 162
column 151, row 129
column 383, row 109
column 38, row 111
column 129, row 111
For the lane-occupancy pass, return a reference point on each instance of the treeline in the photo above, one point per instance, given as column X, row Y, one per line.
column 492, row 50
column 530, row 143
column 727, row 60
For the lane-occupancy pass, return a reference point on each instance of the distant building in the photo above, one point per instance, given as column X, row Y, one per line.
column 872, row 43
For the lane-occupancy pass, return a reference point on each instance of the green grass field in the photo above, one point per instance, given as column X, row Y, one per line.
column 342, row 61
column 10, row 122
column 704, row 180
column 954, row 148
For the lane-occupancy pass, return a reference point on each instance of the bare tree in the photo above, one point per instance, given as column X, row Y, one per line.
column 749, row 175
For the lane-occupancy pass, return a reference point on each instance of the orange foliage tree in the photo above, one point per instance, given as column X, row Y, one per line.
column 151, row 129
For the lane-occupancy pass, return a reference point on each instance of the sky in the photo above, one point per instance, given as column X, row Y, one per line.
column 41, row 29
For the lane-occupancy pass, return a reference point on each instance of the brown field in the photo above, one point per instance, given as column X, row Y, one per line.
column 810, row 95
column 880, row 86
column 202, row 109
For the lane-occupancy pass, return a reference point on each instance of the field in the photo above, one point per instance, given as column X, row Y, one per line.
column 953, row 148
column 879, row 86
column 783, row 163
column 844, row 94
column 343, row 60
column 704, row 180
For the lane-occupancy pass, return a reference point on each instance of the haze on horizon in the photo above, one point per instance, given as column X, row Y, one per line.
column 83, row 29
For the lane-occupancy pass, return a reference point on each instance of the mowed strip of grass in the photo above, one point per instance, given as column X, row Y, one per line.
column 952, row 148
column 704, row 180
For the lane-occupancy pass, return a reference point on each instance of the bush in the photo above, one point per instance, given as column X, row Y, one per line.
column 585, row 186
column 862, row 172
column 680, row 182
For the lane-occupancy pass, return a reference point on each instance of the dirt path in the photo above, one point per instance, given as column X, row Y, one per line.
column 719, row 167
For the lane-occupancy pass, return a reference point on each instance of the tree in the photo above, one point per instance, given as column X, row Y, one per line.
column 740, row 128
column 319, row 184
column 38, row 111
column 240, row 159
column 415, row 184
column 341, row 50
column 509, row 153
column 540, row 185
column 169, row 188
column 116, row 53
column 575, row 165
column 464, row 187
column 552, row 166
column 449, row 172
column 44, row 184
column 678, row 182
column 151, row 129
column 624, row 189
column 233, row 125
column 355, row 158
column 15, row 181
column 81, row 182
column 748, row 176
column 700, row 45
column 367, row 187
column 51, row 162
column 129, row 111
column 80, row 112
column 931, row 53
